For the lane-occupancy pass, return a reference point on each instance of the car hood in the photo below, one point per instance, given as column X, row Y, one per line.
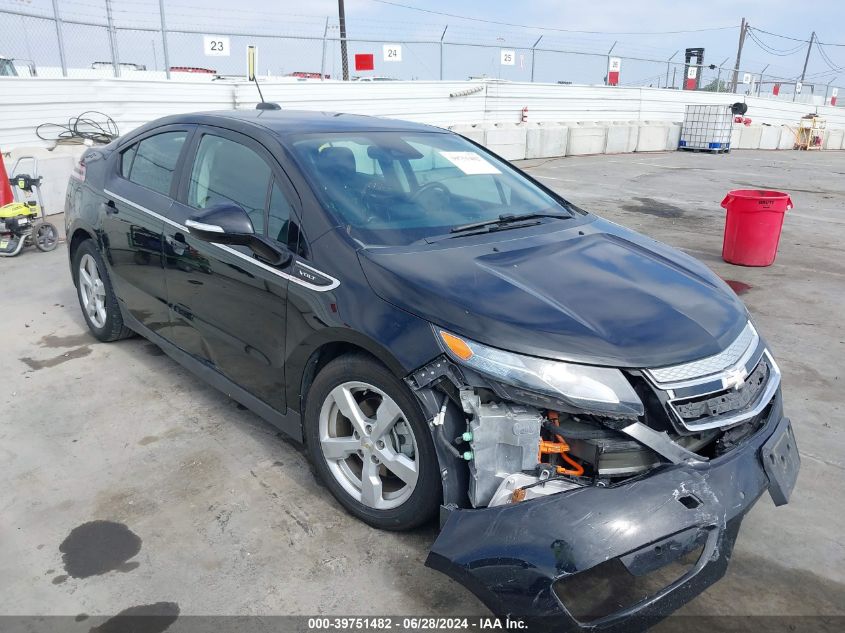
column 594, row 293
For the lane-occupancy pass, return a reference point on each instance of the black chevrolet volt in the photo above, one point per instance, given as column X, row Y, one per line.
column 586, row 411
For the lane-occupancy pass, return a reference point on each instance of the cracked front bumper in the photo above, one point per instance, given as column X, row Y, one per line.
column 524, row 559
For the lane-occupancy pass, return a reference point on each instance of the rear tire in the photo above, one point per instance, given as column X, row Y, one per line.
column 367, row 438
column 96, row 295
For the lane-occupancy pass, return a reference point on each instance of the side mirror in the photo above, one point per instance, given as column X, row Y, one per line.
column 228, row 223
column 225, row 223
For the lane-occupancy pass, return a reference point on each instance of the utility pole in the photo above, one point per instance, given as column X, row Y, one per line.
column 341, row 18
column 804, row 70
column 807, row 58
column 743, row 28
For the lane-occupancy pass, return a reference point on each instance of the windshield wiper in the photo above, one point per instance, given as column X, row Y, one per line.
column 505, row 219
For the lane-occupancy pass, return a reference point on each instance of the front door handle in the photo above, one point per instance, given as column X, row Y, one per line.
column 109, row 207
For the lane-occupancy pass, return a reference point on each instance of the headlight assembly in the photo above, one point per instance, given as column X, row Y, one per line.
column 599, row 390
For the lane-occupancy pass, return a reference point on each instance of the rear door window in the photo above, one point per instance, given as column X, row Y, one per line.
column 152, row 161
column 227, row 171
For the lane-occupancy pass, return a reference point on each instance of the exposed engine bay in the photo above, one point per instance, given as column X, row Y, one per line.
column 518, row 452
column 515, row 448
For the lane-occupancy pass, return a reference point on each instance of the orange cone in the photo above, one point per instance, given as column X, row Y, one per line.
column 6, row 196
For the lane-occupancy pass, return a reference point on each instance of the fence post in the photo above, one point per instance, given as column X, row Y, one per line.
column 164, row 39
column 607, row 64
column 442, row 35
column 532, row 57
column 323, row 57
column 719, row 74
column 115, row 58
column 668, row 61
column 827, row 89
column 760, row 81
column 60, row 38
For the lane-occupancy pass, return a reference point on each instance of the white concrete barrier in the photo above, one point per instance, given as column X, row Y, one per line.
column 555, row 137
column 533, row 141
column 770, row 137
column 653, row 136
column 586, row 137
column 673, row 139
column 621, row 137
column 474, row 132
column 787, row 137
column 545, row 139
column 749, row 136
column 833, row 139
column 506, row 139
column 736, row 130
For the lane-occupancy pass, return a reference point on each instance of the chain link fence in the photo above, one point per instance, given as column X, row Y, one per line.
column 40, row 44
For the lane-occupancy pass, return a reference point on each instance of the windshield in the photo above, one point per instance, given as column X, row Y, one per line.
column 395, row 188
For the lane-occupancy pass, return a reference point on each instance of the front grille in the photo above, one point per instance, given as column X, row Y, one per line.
column 726, row 398
column 697, row 369
column 693, row 409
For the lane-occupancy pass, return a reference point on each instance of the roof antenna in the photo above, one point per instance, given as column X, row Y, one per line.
column 251, row 58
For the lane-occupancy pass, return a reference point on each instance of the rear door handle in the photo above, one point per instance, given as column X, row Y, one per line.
column 178, row 243
column 110, row 208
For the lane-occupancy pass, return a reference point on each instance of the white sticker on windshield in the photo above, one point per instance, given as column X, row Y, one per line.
column 470, row 163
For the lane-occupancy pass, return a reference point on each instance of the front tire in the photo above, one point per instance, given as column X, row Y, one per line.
column 368, row 440
column 96, row 295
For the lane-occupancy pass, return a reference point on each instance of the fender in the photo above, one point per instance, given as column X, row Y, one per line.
column 76, row 231
column 302, row 362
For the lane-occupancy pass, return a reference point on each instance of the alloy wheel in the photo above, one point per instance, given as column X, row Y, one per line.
column 368, row 445
column 92, row 291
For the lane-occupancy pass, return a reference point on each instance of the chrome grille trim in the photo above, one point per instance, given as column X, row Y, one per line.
column 737, row 417
column 704, row 369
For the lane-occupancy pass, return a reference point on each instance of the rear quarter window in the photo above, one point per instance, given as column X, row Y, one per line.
column 126, row 158
column 152, row 161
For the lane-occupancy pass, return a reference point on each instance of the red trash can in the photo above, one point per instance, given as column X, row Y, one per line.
column 752, row 226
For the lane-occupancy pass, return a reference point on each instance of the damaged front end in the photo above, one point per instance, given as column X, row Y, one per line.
column 576, row 500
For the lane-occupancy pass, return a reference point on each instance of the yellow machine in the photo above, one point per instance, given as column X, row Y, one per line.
column 22, row 222
column 810, row 133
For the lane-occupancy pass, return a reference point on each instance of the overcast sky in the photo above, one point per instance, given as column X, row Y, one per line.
column 616, row 20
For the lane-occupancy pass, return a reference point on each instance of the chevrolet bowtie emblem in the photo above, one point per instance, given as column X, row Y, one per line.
column 734, row 379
